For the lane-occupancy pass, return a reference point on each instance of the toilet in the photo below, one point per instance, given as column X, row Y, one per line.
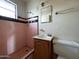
column 66, row 49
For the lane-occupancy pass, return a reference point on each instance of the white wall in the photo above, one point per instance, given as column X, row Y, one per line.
column 21, row 7
column 32, row 6
column 65, row 26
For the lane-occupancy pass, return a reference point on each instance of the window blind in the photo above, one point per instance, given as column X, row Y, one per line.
column 8, row 9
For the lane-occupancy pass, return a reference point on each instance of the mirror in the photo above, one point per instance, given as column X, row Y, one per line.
column 46, row 14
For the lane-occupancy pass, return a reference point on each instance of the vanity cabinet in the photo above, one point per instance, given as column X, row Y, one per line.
column 43, row 48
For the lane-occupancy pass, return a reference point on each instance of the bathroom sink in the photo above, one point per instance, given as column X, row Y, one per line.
column 44, row 37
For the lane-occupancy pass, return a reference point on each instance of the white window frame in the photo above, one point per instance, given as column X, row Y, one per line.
column 8, row 1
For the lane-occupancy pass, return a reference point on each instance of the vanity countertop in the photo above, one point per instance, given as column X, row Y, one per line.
column 48, row 38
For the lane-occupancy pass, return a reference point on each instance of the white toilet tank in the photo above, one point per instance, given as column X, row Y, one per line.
column 67, row 49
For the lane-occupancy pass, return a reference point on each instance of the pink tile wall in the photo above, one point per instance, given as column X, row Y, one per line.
column 14, row 36
column 31, row 31
column 4, row 32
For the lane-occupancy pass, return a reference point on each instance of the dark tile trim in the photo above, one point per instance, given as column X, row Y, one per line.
column 16, row 20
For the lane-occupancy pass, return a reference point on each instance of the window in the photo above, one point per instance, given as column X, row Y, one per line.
column 8, row 9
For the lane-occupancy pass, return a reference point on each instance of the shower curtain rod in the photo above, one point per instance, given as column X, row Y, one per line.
column 69, row 10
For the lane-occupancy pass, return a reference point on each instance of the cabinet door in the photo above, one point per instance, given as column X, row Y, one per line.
column 41, row 49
